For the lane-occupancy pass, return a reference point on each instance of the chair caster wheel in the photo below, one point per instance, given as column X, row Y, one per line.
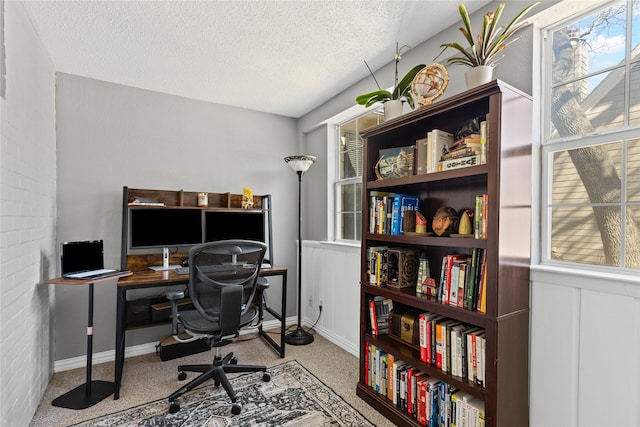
column 182, row 376
column 174, row 407
column 266, row 377
column 236, row 408
column 233, row 361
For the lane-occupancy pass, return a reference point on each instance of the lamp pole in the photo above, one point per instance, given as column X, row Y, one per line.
column 300, row 164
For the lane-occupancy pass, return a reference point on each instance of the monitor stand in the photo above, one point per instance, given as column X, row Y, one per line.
column 165, row 262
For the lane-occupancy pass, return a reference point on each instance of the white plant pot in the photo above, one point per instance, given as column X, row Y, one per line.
column 392, row 109
column 479, row 75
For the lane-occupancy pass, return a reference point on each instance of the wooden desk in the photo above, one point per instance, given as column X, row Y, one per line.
column 91, row 392
column 149, row 279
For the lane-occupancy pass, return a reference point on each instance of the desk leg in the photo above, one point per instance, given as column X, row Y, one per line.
column 283, row 314
column 91, row 392
column 280, row 316
column 120, row 339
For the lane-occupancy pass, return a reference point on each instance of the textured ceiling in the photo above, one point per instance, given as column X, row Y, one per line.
column 281, row 57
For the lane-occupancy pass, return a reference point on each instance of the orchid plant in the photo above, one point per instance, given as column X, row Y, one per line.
column 400, row 88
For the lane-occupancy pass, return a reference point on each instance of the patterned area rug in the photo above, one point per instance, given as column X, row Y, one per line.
column 293, row 397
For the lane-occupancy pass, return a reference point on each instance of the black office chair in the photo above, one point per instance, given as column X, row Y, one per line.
column 223, row 278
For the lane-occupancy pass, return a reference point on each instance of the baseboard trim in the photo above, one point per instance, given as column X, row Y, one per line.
column 337, row 340
column 138, row 350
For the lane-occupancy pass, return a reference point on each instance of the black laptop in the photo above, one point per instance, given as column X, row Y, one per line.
column 84, row 260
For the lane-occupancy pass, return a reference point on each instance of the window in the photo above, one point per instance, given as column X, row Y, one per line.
column 348, row 186
column 591, row 138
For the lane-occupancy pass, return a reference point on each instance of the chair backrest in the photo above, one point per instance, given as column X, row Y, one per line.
column 223, row 277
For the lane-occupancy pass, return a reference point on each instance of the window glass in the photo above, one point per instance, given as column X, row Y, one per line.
column 579, row 174
column 350, row 170
column 593, row 197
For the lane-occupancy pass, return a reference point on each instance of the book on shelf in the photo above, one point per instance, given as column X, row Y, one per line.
column 465, row 151
column 377, row 268
column 426, row 321
column 480, row 358
column 473, row 274
column 457, row 334
column 428, row 400
column 484, row 139
column 459, row 162
column 145, row 201
column 380, row 211
column 474, row 409
column 438, row 142
column 379, row 308
column 402, row 203
column 446, row 276
column 456, row 286
column 471, row 139
column 480, row 216
column 421, row 156
column 480, row 300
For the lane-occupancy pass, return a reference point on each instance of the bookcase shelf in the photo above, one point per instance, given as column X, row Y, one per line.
column 506, row 179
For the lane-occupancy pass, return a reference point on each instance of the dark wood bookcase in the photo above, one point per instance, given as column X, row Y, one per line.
column 506, row 178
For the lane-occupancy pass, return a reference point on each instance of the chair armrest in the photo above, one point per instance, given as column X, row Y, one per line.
column 230, row 308
column 174, row 294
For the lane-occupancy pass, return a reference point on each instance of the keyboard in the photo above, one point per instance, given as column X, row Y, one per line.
column 182, row 270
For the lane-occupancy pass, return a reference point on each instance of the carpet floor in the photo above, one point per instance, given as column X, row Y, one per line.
column 147, row 379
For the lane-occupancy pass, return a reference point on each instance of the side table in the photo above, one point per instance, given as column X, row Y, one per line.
column 91, row 392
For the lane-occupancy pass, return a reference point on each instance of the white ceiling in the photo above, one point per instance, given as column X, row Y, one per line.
column 281, row 57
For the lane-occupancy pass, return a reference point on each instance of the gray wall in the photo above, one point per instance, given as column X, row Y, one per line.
column 110, row 136
column 514, row 69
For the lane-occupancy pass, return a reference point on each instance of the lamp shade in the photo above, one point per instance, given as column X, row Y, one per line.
column 300, row 163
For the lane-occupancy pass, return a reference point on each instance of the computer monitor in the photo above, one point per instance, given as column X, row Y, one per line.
column 159, row 227
column 235, row 224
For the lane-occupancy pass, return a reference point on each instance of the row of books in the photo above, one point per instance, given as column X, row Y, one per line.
column 430, row 401
column 480, row 216
column 379, row 309
column 387, row 211
column 463, row 280
column 440, row 151
column 453, row 347
column 377, row 268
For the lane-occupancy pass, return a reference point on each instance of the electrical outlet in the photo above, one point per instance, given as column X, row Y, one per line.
column 321, row 303
column 310, row 301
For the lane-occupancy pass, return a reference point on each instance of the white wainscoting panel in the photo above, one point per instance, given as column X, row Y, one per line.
column 331, row 274
column 585, row 348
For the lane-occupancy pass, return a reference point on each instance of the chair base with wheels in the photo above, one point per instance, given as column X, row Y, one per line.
column 217, row 372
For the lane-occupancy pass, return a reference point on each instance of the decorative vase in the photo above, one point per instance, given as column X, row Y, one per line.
column 479, row 75
column 392, row 109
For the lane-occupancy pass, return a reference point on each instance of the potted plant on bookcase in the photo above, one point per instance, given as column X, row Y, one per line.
column 482, row 54
column 392, row 101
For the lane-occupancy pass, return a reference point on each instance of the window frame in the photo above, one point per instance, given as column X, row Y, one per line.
column 351, row 115
column 548, row 146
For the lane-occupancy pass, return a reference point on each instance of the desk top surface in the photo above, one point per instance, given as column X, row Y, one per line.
column 166, row 277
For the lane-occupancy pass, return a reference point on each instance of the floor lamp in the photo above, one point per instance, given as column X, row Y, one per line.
column 299, row 164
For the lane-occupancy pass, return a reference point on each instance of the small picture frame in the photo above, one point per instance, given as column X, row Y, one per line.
column 395, row 162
